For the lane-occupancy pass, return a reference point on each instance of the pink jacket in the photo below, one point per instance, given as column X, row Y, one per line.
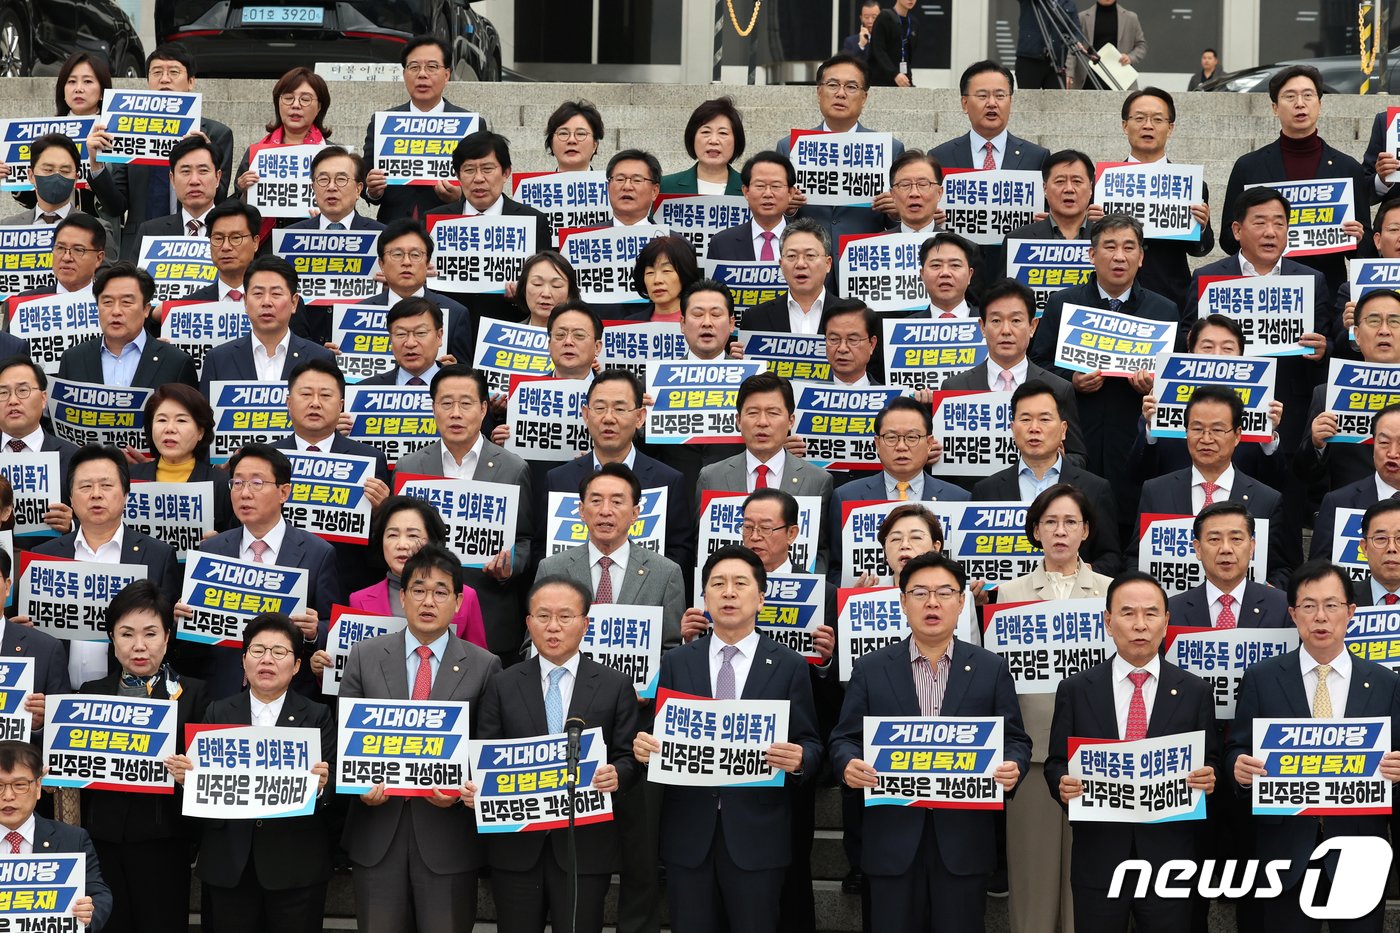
column 470, row 626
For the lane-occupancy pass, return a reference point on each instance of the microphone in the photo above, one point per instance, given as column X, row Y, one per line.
column 573, row 728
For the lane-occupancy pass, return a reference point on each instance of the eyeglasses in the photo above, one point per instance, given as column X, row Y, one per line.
column 750, row 529
column 1142, row 119
column 620, row 409
column 1310, row 608
column 894, row 439
column 20, row 392
column 1382, row 542
column 420, row 335
column 456, row 404
column 77, row 252
column 810, row 256
column 1070, row 525
column 20, row 787
column 565, row 619
column 944, row 594
column 854, row 340
column 1391, row 321
column 920, row 185
column 983, row 96
column 1197, row 430
column 1293, row 97
column 419, row 68
column 564, row 136
column 232, row 239
column 332, row 181
column 306, row 100
column 256, row 484
column 577, row 336
column 173, row 72
column 473, row 169
column 399, row 255
column 258, row 652
column 438, row 594
column 763, row 187
column 850, row 87
column 636, row 181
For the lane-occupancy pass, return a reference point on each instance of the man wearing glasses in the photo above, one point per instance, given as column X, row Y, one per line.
column 1381, row 482
column 405, row 254
column 805, row 260
column 1380, row 530
column 634, row 180
column 929, row 860
column 426, row 71
column 337, row 181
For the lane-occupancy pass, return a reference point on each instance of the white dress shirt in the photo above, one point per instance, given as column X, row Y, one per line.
column 805, row 323
column 862, row 383
column 1213, row 594
column 775, row 469
column 1338, row 682
column 62, row 211
column 325, row 222
column 629, row 461
column 493, row 211
column 1225, row 483
column 266, row 714
column 87, row 660
column 1383, row 491
column 225, row 289
column 1019, row 373
column 1103, row 293
column 273, row 539
column 109, row 553
column 1123, row 689
column 617, row 572
column 26, row 831
column 467, row 468
column 186, row 217
column 979, row 151
column 740, row 663
column 439, row 107
column 930, row 228
column 566, row 683
column 269, row 366
column 1247, row 268
column 322, row 444
column 960, row 311
column 34, row 440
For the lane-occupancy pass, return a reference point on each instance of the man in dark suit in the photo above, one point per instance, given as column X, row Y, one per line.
column 125, row 355
column 195, row 179
column 337, row 181
column 1040, row 430
column 1108, row 407
column 1214, row 419
column 23, row 399
column 1223, row 538
column 947, row 264
column 1300, row 154
column 769, row 181
column 1133, row 695
column 260, row 483
column 269, row 874
column 22, row 770
column 271, row 351
column 405, row 255
column 852, row 333
column 1380, row 531
column 143, row 192
column 415, row 338
column 315, row 401
column 427, row 67
column 843, row 83
column 986, row 90
column 417, row 857
column 726, row 850
column 25, row 641
column 1068, row 176
column 530, row 872
column 929, row 863
column 804, row 255
column 1381, row 482
column 1008, row 322
column 1325, row 681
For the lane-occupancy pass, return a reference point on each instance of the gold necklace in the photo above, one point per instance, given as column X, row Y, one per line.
column 744, row 33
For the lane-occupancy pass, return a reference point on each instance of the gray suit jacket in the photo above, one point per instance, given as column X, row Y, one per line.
column 446, row 839
column 799, row 478
column 1131, row 40
column 651, row 580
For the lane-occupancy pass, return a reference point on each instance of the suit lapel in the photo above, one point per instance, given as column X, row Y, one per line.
column 293, row 711
column 585, row 686
column 901, row 678
column 1101, row 702
column 146, row 366
column 636, row 573
column 1358, row 692
column 243, row 707
column 1166, row 702
column 1244, row 488
column 760, row 670
column 532, row 697
column 451, row 671
column 293, row 547
column 962, row 667
column 393, row 665
column 1291, row 684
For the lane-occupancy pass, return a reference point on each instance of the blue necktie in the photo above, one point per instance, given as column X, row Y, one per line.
column 554, row 702
column 1114, row 304
column 335, row 225
column 724, row 681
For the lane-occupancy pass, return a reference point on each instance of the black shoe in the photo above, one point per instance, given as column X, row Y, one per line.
column 851, row 884
column 996, row 884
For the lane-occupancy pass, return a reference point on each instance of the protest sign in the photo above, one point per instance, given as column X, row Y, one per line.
column 546, row 420
column 1046, row 641
column 179, row 265
column 873, row 618
column 838, row 423
column 1221, row 656
column 395, row 420
column 1321, row 767
column 1179, row 375
column 180, row 514
column 39, row 892
column 17, row 138
column 16, row 683
column 53, row 323
column 1158, row 194
column 1392, row 140
column 1114, row 344
column 571, row 200
column 975, row 428
column 841, row 169
column 604, row 258
column 1370, row 275
column 349, row 628
column 694, row 403
column 1348, row 547
column 1355, row 391
column 942, row 762
column 198, row 326
column 109, row 743
column 412, row 747
column 333, row 266
column 26, row 259
column 481, row 254
column 328, row 495
column 144, row 126
column 226, row 593
column 717, row 743
column 985, row 205
column 523, row 784
column 861, row 550
column 882, row 270
column 481, row 517
column 505, row 349
column 416, row 148
column 749, row 283
column 68, row 598
column 247, row 412
column 1373, row 633
column 1317, row 209
column 721, row 515
column 284, row 186
column 794, row 607
column 35, row 479
column 360, row 333
column 251, row 772
column 696, row 218
column 565, row 529
column 792, row 356
column 631, row 345
column 1166, row 551
column 626, row 639
column 86, row 413
column 1047, row 266
column 923, row 354
column 1143, row 781
column 988, row 539
column 1273, row 311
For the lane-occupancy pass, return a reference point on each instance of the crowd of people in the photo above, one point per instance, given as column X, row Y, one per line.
column 731, row 858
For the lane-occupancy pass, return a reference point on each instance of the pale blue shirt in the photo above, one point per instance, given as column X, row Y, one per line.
column 1032, row 487
column 916, row 487
column 427, row 377
column 120, row 370
column 411, row 646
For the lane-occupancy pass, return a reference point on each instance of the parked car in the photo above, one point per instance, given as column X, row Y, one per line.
column 266, row 38
column 45, row 32
column 1340, row 75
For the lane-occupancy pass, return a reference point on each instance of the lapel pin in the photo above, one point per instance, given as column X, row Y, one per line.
column 455, row 668
column 641, row 572
column 1367, row 685
column 46, row 845
column 291, row 719
column 793, row 481
column 967, row 667
column 1173, row 691
column 1246, row 498
column 136, row 547
column 767, row 660
column 490, row 463
column 1256, row 610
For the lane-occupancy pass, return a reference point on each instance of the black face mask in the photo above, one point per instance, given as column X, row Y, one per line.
column 53, row 189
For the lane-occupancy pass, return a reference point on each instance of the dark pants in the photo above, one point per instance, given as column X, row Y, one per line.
column 797, row 913
column 403, row 895
column 1283, row 915
column 150, row 884
column 926, row 890
column 638, row 816
column 1037, row 73
column 251, row 908
column 525, row 899
column 1093, row 910
column 718, row 895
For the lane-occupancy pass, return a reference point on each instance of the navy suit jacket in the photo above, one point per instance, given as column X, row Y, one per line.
column 358, row 221
column 1021, row 154
column 310, row 322
column 734, row 244
column 842, row 221
column 1273, row 688
column 1084, row 706
column 1262, row 607
column 977, row 378
column 50, row 662
column 1171, row 495
column 155, row 555
column 340, row 444
column 1104, row 549
column 872, row 489
column 1337, row 465
column 51, row 836
column 1361, row 494
column 882, row 684
column 234, row 360
column 461, row 326
column 160, row 364
column 166, row 225
column 756, row 820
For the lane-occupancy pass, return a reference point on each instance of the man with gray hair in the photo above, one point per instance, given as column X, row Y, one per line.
column 804, row 255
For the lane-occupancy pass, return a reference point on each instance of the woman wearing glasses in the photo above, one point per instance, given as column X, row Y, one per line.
column 300, row 101
column 572, row 134
column 714, row 137
column 1061, row 523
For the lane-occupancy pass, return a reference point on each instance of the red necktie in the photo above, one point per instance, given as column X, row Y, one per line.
column 1137, row 708
column 423, row 680
column 1390, row 599
column 14, row 839
column 945, row 315
column 605, row 594
column 235, row 294
column 1226, row 619
column 18, row 446
column 761, row 481
column 1209, row 489
column 766, row 254
column 312, row 448
column 990, row 160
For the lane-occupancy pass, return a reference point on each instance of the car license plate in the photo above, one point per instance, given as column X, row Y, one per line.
column 282, row 15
